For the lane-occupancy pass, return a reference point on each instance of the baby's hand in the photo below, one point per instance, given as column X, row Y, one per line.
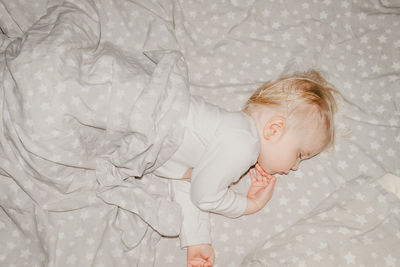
column 261, row 189
column 200, row 256
column 259, row 179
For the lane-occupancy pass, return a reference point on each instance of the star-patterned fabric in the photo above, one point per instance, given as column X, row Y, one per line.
column 89, row 97
column 346, row 229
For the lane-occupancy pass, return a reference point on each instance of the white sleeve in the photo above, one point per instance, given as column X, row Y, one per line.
column 228, row 157
column 195, row 228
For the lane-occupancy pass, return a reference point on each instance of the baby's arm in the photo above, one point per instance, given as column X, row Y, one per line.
column 195, row 230
column 225, row 160
column 195, row 222
column 261, row 189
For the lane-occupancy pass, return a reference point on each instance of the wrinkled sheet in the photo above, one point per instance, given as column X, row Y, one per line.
column 230, row 48
column 353, row 226
column 83, row 125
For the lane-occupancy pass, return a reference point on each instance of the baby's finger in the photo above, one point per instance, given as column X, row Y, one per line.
column 252, row 176
column 260, row 170
column 196, row 263
column 211, row 259
column 266, row 179
column 271, row 183
column 257, row 175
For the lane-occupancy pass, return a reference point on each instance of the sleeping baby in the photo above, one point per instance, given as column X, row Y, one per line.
column 284, row 122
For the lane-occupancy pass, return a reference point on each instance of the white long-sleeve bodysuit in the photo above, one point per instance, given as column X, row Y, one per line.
column 220, row 146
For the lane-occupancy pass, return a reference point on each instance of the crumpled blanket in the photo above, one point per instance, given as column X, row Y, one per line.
column 83, row 124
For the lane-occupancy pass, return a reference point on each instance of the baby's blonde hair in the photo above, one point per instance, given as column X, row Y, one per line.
column 300, row 90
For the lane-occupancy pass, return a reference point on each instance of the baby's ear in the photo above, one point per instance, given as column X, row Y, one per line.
column 274, row 128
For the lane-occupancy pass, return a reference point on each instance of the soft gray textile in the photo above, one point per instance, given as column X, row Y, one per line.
column 83, row 123
column 352, row 227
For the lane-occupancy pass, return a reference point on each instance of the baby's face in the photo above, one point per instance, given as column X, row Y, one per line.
column 295, row 145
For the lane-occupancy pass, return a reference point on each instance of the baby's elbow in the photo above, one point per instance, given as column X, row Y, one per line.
column 203, row 201
column 197, row 199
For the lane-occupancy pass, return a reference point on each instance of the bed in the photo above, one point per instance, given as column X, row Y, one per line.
column 82, row 128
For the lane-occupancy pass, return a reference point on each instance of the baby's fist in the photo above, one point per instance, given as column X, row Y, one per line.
column 200, row 256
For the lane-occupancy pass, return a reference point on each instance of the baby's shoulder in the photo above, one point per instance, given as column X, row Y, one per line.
column 239, row 125
column 236, row 120
column 223, row 126
column 239, row 137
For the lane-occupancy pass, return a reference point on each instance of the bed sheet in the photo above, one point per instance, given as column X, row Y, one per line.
column 353, row 226
column 230, row 48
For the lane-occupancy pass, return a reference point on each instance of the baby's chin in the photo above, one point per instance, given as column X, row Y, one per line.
column 262, row 167
column 282, row 173
column 277, row 172
column 270, row 172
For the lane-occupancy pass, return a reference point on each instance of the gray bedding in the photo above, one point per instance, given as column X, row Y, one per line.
column 92, row 96
column 356, row 225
